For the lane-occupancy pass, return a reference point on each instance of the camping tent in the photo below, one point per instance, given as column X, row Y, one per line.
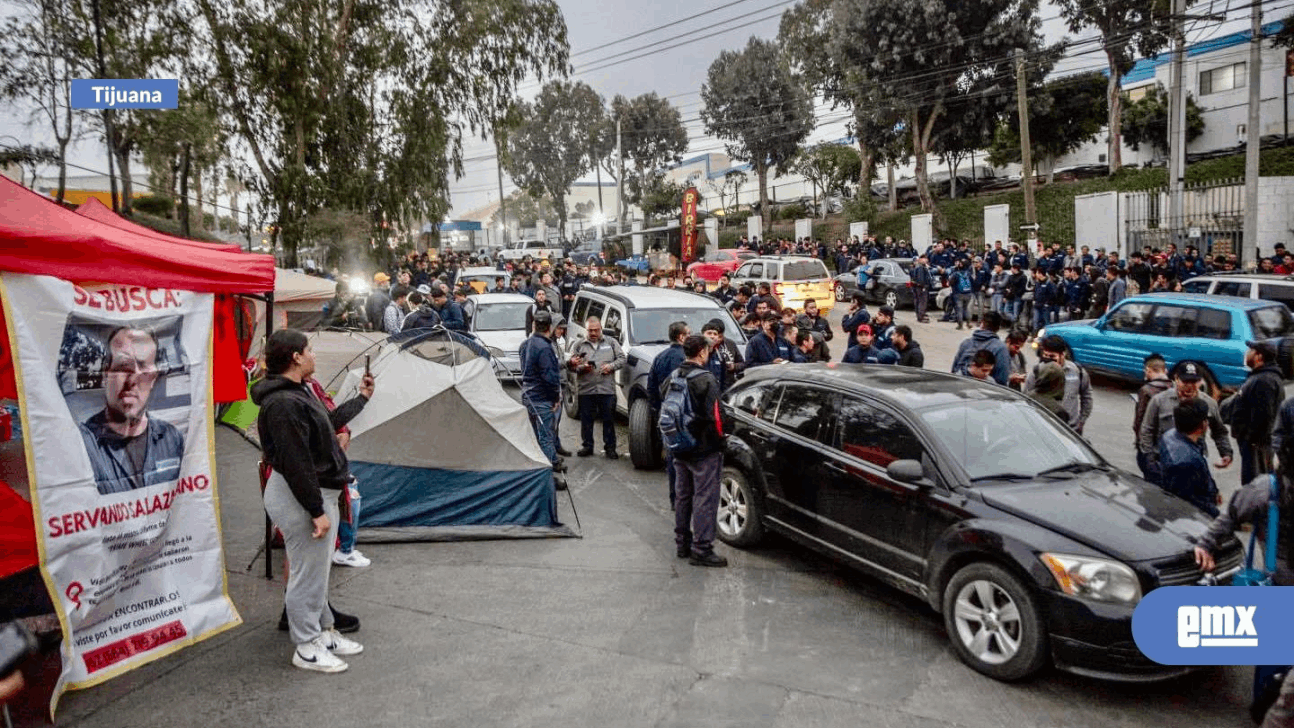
column 443, row 453
column 299, row 299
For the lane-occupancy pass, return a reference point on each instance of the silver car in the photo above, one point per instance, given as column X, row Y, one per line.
column 499, row 321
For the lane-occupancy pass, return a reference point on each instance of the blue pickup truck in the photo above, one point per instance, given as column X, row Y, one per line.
column 1212, row 330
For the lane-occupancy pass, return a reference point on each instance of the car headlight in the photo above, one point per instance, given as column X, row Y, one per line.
column 1100, row 580
column 1042, row 333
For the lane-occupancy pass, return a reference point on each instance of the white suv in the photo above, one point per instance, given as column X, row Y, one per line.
column 1257, row 286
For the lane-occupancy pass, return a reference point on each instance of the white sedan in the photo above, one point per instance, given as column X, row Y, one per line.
column 499, row 321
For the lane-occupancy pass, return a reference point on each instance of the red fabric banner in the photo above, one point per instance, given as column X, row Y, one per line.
column 687, row 222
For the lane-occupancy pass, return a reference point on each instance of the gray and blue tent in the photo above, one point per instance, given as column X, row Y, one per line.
column 442, row 452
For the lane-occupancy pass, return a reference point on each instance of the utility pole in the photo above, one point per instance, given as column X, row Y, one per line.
column 1253, row 132
column 503, row 204
column 1177, row 123
column 620, row 183
column 1026, row 153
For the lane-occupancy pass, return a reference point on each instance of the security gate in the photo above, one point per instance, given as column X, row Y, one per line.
column 1212, row 219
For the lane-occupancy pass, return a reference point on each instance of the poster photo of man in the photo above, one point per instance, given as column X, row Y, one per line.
column 126, row 385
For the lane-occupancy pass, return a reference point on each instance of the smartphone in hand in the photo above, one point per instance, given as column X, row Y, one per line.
column 16, row 644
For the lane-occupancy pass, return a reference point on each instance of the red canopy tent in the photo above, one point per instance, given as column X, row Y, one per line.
column 40, row 237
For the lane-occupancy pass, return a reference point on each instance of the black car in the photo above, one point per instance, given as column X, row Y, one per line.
column 967, row 495
column 889, row 284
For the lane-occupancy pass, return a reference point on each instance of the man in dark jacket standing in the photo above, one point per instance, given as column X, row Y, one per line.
column 856, row 316
column 1155, row 371
column 763, row 348
column 541, row 386
column 985, row 338
column 661, row 367
column 1253, row 410
column 299, row 441
column 921, row 280
column 1185, row 469
column 697, row 471
column 378, row 298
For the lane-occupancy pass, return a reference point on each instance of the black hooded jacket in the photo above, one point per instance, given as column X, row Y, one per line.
column 298, row 438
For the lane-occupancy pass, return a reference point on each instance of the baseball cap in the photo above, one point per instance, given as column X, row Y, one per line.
column 424, row 289
column 864, row 329
column 1189, row 372
column 381, row 277
column 1266, row 349
column 543, row 317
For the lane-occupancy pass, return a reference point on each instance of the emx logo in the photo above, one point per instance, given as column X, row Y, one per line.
column 1216, row 627
column 1172, row 625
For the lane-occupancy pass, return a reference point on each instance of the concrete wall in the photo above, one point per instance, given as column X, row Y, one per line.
column 1275, row 214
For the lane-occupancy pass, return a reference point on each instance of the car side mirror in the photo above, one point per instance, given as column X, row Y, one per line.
column 908, row 471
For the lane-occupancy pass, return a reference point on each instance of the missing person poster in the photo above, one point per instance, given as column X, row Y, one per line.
column 115, row 388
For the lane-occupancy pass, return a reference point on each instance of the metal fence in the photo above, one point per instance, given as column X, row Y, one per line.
column 1212, row 219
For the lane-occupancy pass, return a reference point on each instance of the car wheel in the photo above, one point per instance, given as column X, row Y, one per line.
column 994, row 622
column 892, row 298
column 644, row 447
column 1210, row 384
column 571, row 402
column 740, row 519
column 840, row 292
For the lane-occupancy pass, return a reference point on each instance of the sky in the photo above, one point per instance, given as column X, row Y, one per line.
column 673, row 64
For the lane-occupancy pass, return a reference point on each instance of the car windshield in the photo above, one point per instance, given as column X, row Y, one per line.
column 500, row 316
column 1271, row 322
column 651, row 326
column 1001, row 440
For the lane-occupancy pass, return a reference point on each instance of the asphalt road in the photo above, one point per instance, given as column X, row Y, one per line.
column 612, row 630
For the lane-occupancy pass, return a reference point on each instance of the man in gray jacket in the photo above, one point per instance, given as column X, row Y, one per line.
column 595, row 361
column 1158, row 418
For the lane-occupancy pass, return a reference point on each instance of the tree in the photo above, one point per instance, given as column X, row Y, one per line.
column 1128, row 28
column 937, row 56
column 552, row 146
column 828, row 167
column 168, row 138
column 652, row 138
column 363, row 104
column 729, row 184
column 39, row 67
column 877, row 126
column 527, row 211
column 753, row 101
column 1064, row 115
column 662, row 197
column 1146, row 121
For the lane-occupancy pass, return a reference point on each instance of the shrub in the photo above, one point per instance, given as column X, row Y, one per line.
column 159, row 205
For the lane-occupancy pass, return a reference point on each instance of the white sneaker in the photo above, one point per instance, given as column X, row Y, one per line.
column 339, row 645
column 314, row 655
column 354, row 558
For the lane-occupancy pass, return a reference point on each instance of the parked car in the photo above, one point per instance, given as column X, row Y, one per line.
column 639, row 318
column 1211, row 330
column 888, row 283
column 719, row 262
column 794, row 279
column 635, row 263
column 1258, row 286
column 536, row 249
column 970, row 496
column 481, row 278
column 498, row 320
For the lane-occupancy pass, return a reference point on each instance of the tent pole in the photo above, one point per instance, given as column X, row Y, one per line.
column 269, row 524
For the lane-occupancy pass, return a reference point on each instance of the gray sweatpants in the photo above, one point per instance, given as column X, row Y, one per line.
column 310, row 559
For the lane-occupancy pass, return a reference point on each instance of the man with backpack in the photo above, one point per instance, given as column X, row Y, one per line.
column 691, row 431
